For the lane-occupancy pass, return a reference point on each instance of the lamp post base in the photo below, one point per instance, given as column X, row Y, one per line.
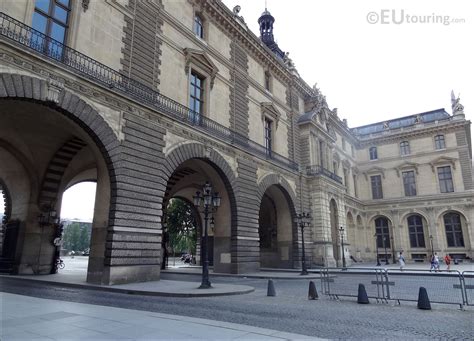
column 205, row 286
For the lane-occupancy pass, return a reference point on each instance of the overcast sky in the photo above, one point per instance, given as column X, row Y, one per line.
column 376, row 71
column 371, row 72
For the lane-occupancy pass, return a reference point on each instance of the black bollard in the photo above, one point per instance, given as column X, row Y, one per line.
column 423, row 300
column 362, row 297
column 312, row 293
column 271, row 288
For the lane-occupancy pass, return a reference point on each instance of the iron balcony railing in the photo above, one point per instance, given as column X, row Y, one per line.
column 99, row 73
column 318, row 170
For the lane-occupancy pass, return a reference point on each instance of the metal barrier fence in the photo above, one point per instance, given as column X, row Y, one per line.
column 468, row 282
column 337, row 282
column 446, row 287
column 442, row 287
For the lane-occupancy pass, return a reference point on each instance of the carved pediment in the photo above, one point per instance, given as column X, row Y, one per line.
column 202, row 61
column 374, row 170
column 407, row 165
column 443, row 160
column 269, row 110
column 346, row 164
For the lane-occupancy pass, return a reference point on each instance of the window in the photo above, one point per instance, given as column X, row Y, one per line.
column 382, row 232
column 334, row 167
column 267, row 81
column 452, row 224
column 352, row 151
column 409, row 183
column 445, row 179
column 354, row 180
column 415, row 230
column 268, row 136
column 321, row 153
column 376, row 182
column 439, row 142
column 198, row 27
column 196, row 95
column 346, row 178
column 404, row 148
column 373, row 153
column 343, row 144
column 51, row 18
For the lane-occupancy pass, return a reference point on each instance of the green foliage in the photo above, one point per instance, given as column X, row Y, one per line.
column 181, row 226
column 76, row 237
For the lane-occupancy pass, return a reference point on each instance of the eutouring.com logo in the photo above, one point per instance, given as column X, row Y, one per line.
column 400, row 16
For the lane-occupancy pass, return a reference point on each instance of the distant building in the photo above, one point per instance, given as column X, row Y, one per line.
column 151, row 99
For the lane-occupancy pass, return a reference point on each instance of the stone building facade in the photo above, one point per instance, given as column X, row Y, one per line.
column 152, row 99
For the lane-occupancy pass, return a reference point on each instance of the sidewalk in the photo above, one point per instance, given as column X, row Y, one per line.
column 29, row 318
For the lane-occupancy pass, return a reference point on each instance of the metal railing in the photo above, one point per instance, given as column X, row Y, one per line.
column 318, row 170
column 101, row 74
column 445, row 287
column 468, row 283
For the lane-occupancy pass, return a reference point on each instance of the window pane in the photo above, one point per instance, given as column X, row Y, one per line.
column 60, row 14
column 58, row 32
column 42, row 5
column 64, row 2
column 39, row 22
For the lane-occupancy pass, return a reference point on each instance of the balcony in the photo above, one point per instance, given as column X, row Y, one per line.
column 86, row 67
column 316, row 170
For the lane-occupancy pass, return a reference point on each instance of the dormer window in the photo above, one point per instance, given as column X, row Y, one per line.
column 198, row 26
column 404, row 148
column 439, row 142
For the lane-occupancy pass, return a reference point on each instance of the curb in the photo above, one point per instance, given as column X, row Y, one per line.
column 130, row 291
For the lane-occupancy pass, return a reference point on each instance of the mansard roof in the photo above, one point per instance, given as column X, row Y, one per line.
column 425, row 117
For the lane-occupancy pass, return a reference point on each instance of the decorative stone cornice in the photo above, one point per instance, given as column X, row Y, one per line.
column 407, row 165
column 55, row 87
column 443, row 160
column 374, row 170
column 270, row 111
column 225, row 19
column 201, row 60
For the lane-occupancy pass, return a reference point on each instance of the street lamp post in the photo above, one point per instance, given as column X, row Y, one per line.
column 385, row 248
column 209, row 201
column 303, row 219
column 341, row 230
column 431, row 243
column 377, row 249
column 392, row 246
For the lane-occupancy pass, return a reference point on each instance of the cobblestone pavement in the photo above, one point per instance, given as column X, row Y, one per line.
column 290, row 311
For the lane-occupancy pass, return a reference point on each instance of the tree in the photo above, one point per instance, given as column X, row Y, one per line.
column 181, row 225
column 76, row 237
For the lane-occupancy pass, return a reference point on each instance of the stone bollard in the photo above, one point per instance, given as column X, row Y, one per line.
column 423, row 300
column 271, row 288
column 362, row 297
column 312, row 293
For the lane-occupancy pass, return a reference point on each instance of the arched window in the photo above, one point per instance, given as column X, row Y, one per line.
column 382, row 232
column 415, row 230
column 452, row 224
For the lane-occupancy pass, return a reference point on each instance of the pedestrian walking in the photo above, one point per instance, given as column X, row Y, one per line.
column 447, row 260
column 436, row 262
column 401, row 260
column 432, row 263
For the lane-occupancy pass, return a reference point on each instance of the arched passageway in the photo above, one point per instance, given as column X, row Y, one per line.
column 189, row 177
column 277, row 229
column 43, row 152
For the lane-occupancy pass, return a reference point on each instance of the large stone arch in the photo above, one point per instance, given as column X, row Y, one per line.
column 275, row 179
column 50, row 94
column 192, row 150
column 266, row 194
column 124, row 226
column 197, row 155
